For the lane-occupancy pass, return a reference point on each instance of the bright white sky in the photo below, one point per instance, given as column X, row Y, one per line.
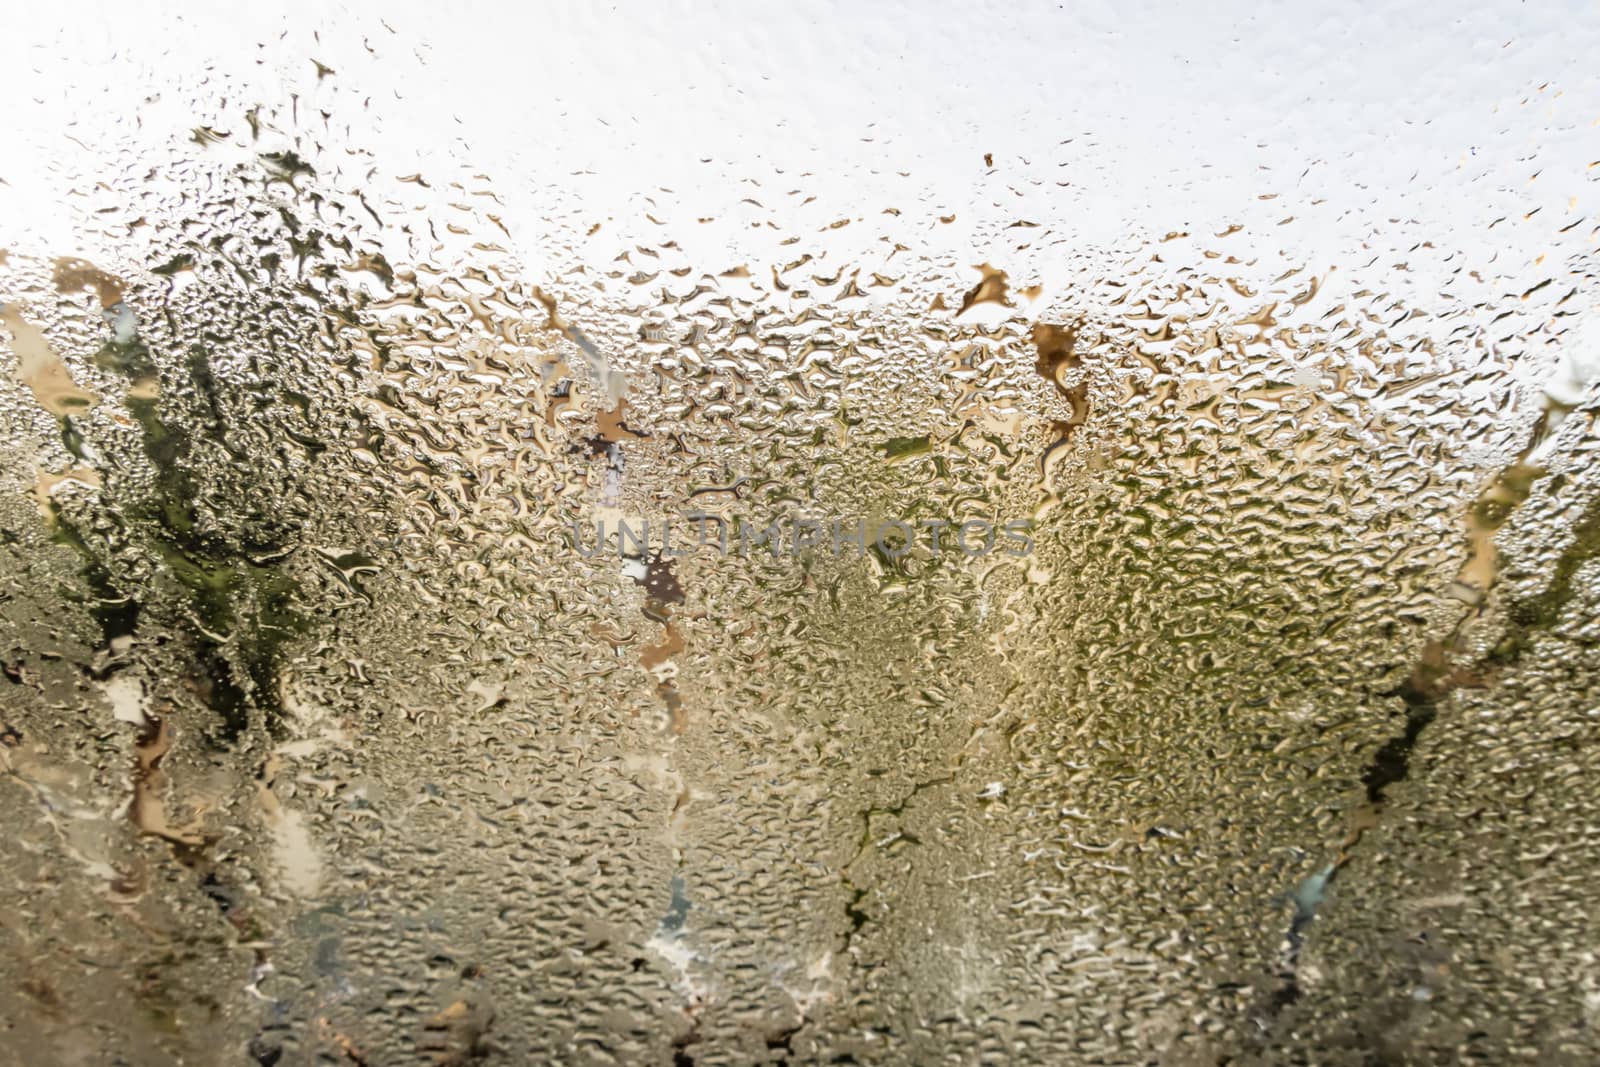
column 1158, row 117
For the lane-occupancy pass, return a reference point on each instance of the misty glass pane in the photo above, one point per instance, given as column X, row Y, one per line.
column 804, row 534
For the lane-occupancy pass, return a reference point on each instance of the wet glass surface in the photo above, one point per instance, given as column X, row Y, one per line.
column 996, row 536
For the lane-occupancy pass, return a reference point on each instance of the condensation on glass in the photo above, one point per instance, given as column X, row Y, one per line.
column 331, row 731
